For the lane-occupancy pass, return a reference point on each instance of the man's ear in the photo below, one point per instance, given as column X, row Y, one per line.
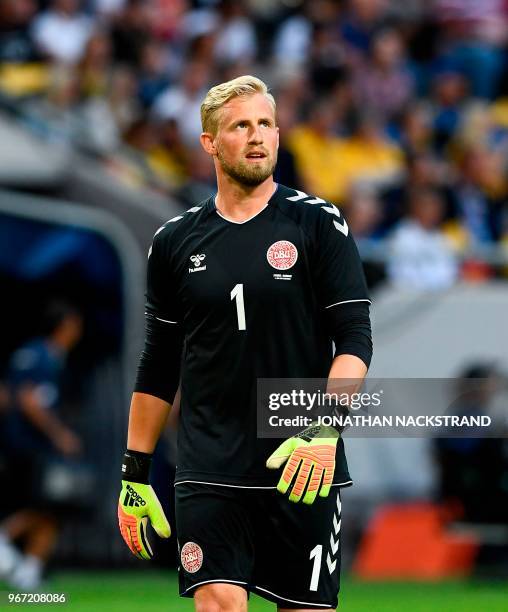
column 208, row 143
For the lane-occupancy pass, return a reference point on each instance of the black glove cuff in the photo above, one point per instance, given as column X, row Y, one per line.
column 338, row 412
column 136, row 466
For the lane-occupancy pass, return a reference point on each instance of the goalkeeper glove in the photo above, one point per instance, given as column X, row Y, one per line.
column 310, row 457
column 139, row 504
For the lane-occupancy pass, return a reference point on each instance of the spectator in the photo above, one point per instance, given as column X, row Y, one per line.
column 328, row 59
column 182, row 102
column 474, row 34
column 95, row 65
column 315, row 142
column 34, row 433
column 363, row 212
column 420, row 256
column 416, row 129
column 16, row 44
column 364, row 215
column 423, row 171
column 132, row 165
column 286, row 171
column 153, row 73
column 55, row 114
column 363, row 18
column 235, row 35
column 383, row 81
column 200, row 182
column 62, row 32
column 293, row 40
column 130, row 32
column 368, row 156
column 472, row 471
column 108, row 8
column 169, row 157
column 123, row 104
column 478, row 212
column 449, row 93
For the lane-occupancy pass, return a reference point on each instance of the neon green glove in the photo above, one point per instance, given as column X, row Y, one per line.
column 310, row 457
column 139, row 504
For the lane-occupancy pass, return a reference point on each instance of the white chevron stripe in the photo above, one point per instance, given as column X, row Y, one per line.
column 336, row 524
column 334, row 544
column 316, row 201
column 339, row 503
column 301, row 195
column 342, row 227
column 332, row 210
column 331, row 565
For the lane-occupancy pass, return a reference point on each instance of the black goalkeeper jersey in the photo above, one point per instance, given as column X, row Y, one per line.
column 250, row 300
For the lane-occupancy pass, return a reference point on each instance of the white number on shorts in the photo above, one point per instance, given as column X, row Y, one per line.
column 316, row 553
column 237, row 294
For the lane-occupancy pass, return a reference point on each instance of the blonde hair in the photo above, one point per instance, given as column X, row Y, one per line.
column 217, row 96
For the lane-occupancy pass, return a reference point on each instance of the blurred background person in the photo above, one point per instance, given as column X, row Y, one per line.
column 473, row 471
column 62, row 31
column 16, row 43
column 383, row 81
column 182, row 102
column 421, row 257
column 33, row 432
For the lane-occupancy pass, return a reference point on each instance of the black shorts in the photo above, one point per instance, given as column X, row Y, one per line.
column 256, row 538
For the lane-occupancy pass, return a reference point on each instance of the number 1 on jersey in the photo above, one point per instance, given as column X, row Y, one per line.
column 237, row 294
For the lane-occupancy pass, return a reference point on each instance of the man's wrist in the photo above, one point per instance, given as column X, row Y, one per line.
column 337, row 412
column 136, row 466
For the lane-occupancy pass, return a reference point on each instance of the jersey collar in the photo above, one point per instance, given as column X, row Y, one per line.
column 213, row 208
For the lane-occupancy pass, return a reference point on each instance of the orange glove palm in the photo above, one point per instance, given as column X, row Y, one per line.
column 310, row 466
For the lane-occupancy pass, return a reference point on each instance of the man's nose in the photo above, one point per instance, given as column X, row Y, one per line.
column 255, row 136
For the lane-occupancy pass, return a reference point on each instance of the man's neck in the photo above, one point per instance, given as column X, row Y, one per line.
column 240, row 202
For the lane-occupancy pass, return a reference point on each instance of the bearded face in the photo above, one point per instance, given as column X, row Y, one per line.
column 253, row 167
column 247, row 140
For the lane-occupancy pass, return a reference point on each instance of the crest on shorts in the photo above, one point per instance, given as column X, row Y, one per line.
column 191, row 557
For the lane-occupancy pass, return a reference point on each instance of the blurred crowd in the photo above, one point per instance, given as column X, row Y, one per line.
column 395, row 111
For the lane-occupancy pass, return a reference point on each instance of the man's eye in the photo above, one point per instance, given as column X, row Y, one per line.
column 241, row 125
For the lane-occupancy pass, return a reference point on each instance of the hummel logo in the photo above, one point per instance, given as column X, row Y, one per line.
column 196, row 260
column 132, row 498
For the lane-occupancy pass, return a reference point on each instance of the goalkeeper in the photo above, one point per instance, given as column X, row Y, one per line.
column 260, row 281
